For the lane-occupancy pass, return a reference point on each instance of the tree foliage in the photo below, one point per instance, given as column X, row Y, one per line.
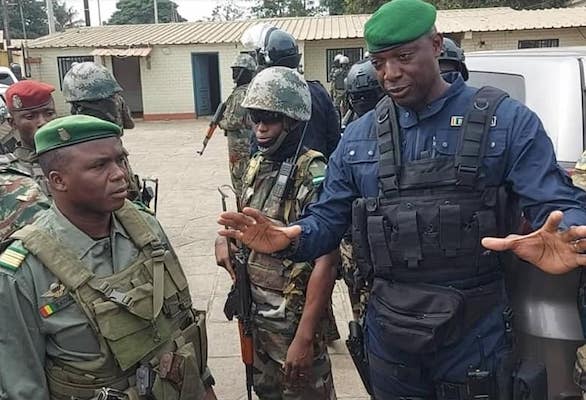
column 369, row 6
column 142, row 12
column 33, row 19
column 284, row 8
column 227, row 11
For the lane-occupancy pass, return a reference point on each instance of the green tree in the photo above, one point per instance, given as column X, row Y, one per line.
column 284, row 8
column 142, row 12
column 333, row 7
column 227, row 11
column 65, row 16
column 369, row 6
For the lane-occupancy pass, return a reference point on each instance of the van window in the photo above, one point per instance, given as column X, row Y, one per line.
column 6, row 79
column 513, row 84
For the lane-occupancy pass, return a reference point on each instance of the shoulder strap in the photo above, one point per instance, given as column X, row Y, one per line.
column 474, row 134
column 55, row 257
column 388, row 136
column 134, row 223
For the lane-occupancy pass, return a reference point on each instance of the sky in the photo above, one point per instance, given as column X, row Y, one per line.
column 191, row 10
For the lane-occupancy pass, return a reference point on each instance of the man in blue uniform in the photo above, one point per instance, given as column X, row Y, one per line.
column 421, row 180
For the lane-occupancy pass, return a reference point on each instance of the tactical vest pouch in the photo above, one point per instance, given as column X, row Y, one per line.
column 418, row 318
column 178, row 374
column 360, row 247
column 268, row 272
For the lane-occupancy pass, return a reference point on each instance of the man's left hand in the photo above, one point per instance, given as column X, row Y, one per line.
column 550, row 249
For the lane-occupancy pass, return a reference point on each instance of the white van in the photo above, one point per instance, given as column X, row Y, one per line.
column 550, row 82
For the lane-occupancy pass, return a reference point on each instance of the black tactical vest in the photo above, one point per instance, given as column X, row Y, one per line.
column 428, row 221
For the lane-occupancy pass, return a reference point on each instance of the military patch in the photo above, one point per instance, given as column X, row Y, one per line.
column 16, row 101
column 13, row 256
column 317, row 180
column 56, row 290
column 458, row 120
column 63, row 134
column 56, row 305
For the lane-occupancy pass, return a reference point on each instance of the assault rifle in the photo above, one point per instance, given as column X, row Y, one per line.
column 355, row 345
column 239, row 301
column 218, row 115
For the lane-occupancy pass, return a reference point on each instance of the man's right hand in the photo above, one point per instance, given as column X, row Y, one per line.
column 256, row 231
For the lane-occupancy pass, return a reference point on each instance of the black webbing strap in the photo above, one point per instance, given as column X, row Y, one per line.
column 474, row 137
column 389, row 145
column 450, row 229
column 379, row 251
column 409, row 237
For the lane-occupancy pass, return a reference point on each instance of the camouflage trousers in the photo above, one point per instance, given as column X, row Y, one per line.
column 270, row 352
column 340, row 102
column 358, row 293
column 580, row 370
column 238, row 156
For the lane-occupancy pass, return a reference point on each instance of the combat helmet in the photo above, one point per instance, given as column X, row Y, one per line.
column 245, row 61
column 279, row 49
column 88, row 81
column 362, row 87
column 282, row 90
column 453, row 55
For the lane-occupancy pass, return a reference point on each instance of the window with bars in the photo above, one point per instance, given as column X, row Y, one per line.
column 353, row 53
column 64, row 64
column 534, row 44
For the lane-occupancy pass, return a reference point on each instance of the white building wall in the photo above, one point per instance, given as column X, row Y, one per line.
column 509, row 40
column 315, row 56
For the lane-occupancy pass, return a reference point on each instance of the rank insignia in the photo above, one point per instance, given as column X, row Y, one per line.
column 458, row 120
column 13, row 256
column 16, row 101
column 56, row 305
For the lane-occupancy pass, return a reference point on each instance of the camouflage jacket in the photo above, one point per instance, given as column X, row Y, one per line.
column 279, row 286
column 579, row 176
column 23, row 162
column 234, row 117
column 20, row 201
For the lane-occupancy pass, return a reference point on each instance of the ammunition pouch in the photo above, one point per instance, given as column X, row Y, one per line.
column 422, row 318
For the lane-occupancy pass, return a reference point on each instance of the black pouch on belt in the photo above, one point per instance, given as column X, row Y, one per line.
column 418, row 318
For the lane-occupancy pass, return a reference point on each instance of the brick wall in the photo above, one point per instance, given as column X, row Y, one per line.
column 508, row 40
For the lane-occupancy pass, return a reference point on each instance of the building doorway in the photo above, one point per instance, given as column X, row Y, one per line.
column 127, row 73
column 206, row 83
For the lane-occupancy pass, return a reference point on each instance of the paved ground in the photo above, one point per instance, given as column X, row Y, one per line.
column 188, row 206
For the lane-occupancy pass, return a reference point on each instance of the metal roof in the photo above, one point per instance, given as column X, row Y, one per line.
column 305, row 28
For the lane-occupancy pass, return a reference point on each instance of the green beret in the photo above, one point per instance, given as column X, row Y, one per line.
column 67, row 131
column 398, row 22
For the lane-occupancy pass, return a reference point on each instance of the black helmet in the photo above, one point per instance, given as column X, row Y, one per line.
column 280, row 49
column 362, row 87
column 452, row 58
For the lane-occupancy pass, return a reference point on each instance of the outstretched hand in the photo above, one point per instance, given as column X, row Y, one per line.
column 548, row 248
column 257, row 231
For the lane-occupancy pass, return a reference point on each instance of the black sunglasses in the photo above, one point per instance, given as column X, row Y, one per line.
column 268, row 117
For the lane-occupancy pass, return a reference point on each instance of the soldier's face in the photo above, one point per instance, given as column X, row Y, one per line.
column 409, row 73
column 94, row 180
column 27, row 122
column 267, row 126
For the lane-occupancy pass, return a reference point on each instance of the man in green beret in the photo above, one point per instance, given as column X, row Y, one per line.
column 424, row 180
column 94, row 303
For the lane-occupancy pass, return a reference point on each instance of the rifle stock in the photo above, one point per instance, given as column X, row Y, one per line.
column 218, row 115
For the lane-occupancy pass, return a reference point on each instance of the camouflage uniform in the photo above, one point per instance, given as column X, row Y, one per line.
column 92, row 90
column 579, row 176
column 234, row 124
column 279, row 286
column 20, row 201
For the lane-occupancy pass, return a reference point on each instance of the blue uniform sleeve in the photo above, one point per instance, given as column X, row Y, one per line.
column 325, row 221
column 535, row 176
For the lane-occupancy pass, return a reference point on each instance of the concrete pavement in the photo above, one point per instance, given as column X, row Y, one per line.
column 188, row 207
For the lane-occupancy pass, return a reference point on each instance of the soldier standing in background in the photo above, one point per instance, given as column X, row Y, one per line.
column 335, row 70
column 234, row 121
column 92, row 90
column 289, row 299
column 338, row 84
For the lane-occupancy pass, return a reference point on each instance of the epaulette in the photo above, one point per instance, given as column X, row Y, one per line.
column 317, row 170
column 13, row 256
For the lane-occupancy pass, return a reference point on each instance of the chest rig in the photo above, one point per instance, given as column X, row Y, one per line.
column 152, row 343
column 260, row 191
column 428, row 220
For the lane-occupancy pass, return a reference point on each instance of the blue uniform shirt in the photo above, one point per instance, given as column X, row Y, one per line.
column 519, row 154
